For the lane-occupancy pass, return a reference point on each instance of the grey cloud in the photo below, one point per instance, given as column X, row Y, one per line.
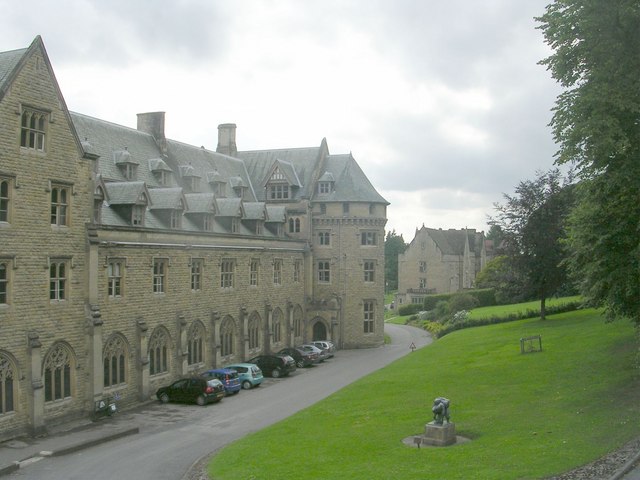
column 121, row 32
column 491, row 45
column 451, row 40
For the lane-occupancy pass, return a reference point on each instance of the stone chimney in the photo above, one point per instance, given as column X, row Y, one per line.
column 227, row 139
column 153, row 124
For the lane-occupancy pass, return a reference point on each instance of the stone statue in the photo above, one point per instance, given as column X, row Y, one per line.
column 440, row 410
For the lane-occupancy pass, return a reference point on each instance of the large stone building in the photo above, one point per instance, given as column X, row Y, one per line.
column 128, row 259
column 439, row 261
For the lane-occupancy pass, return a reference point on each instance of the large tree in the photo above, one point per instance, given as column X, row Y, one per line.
column 393, row 246
column 596, row 122
column 533, row 224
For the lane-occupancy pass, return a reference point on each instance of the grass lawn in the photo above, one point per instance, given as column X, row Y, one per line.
column 528, row 416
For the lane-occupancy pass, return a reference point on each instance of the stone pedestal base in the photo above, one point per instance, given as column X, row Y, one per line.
column 438, row 435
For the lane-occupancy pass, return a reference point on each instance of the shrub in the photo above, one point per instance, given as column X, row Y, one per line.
column 462, row 301
column 434, row 328
column 460, row 316
column 409, row 309
column 430, row 301
column 486, row 296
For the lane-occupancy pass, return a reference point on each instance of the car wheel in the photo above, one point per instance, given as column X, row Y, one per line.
column 299, row 364
column 164, row 398
column 275, row 373
column 200, row 400
column 246, row 385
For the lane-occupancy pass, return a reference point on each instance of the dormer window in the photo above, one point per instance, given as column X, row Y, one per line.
column 190, row 180
column 176, row 216
column 137, row 215
column 129, row 171
column 176, row 219
column 217, row 183
column 161, row 171
column 240, row 191
column 325, row 184
column 138, row 210
column 163, row 177
column 208, row 222
column 280, row 185
column 218, row 189
column 127, row 165
column 239, row 186
column 278, row 192
column 324, row 188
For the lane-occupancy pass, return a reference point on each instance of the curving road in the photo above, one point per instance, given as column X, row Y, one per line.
column 173, row 437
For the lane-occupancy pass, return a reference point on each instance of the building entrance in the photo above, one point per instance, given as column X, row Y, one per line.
column 319, row 331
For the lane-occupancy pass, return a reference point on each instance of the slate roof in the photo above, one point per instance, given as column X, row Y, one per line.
column 200, row 203
column 205, row 163
column 327, row 177
column 8, row 63
column 289, row 172
column 157, row 164
column 167, row 199
column 302, row 160
column 351, row 184
column 229, row 207
column 125, row 193
column 299, row 166
column 452, row 242
column 254, row 211
column 275, row 213
column 111, row 141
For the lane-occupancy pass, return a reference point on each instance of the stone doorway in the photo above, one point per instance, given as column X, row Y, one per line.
column 319, row 331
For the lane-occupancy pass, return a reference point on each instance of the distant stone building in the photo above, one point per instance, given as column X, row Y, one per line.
column 129, row 259
column 439, row 261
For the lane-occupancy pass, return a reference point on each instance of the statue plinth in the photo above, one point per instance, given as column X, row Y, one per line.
column 438, row 435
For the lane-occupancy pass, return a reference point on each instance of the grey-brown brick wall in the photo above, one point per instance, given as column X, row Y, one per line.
column 29, row 239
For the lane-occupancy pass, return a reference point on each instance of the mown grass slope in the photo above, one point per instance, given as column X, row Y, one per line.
column 527, row 415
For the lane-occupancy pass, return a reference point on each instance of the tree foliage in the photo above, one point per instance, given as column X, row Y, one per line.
column 506, row 281
column 596, row 122
column 533, row 223
column 393, row 246
column 596, row 44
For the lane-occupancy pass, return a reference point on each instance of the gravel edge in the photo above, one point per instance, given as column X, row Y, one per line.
column 611, row 466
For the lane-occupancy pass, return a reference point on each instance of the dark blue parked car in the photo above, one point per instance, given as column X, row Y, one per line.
column 227, row 376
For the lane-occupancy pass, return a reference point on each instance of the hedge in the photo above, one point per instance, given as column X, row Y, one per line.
column 486, row 297
column 468, row 323
column 410, row 309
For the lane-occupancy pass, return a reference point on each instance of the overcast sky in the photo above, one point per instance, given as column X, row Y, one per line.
column 442, row 103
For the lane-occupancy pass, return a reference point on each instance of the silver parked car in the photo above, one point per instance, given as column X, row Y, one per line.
column 322, row 354
column 325, row 345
